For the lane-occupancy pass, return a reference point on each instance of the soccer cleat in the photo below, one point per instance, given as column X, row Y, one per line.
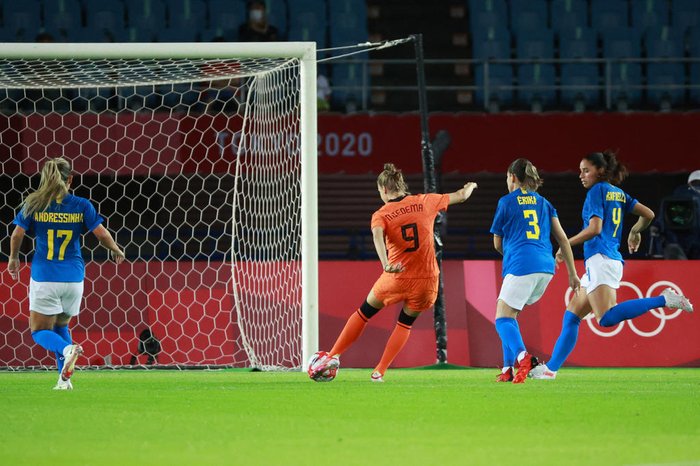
column 542, row 372
column 676, row 301
column 377, row 377
column 526, row 365
column 63, row 384
column 506, row 376
column 71, row 354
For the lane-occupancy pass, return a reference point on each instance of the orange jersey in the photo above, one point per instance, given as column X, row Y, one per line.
column 408, row 232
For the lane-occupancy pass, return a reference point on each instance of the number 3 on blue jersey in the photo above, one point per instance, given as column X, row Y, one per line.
column 535, row 233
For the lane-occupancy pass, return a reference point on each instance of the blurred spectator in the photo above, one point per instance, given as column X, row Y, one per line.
column 44, row 37
column 323, row 93
column 257, row 29
column 676, row 232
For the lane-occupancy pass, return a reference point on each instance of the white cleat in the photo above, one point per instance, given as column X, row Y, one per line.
column 676, row 301
column 542, row 372
column 63, row 384
column 377, row 377
column 71, row 354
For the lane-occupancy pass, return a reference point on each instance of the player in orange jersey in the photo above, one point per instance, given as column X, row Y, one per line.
column 402, row 231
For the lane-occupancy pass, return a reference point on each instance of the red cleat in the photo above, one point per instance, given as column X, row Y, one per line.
column 526, row 364
column 506, row 376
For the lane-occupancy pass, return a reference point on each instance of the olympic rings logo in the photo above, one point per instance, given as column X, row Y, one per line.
column 658, row 312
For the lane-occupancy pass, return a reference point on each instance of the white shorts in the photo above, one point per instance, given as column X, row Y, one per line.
column 518, row 291
column 601, row 270
column 53, row 298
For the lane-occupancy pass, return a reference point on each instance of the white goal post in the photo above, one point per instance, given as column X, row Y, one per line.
column 202, row 158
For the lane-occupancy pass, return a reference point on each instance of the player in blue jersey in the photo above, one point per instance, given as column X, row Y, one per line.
column 603, row 214
column 521, row 228
column 57, row 220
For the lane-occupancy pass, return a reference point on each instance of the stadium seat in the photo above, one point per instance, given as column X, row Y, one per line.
column 685, row 14
column 497, row 6
column 693, row 42
column 22, row 19
column 535, row 44
column 695, row 81
column 536, row 84
column 177, row 35
column 498, row 31
column 488, row 24
column 186, row 14
column 663, row 42
column 500, row 85
column 527, row 16
column 348, row 81
column 148, row 16
column 568, row 15
column 649, row 13
column 665, row 74
column 622, row 43
column 225, row 16
column 66, row 13
column 277, row 15
column 349, row 20
column 608, row 15
column 109, row 20
column 580, row 84
column 625, row 82
column 492, row 47
column 308, row 20
column 578, row 42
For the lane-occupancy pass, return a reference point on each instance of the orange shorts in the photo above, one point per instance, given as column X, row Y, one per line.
column 418, row 294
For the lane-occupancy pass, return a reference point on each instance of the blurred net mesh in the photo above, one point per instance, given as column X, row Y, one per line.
column 196, row 165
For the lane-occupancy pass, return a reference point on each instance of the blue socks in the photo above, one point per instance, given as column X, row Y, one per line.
column 566, row 341
column 508, row 355
column 630, row 309
column 49, row 340
column 62, row 332
column 511, row 340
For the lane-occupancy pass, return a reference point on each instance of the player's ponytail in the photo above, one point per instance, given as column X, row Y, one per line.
column 54, row 175
column 392, row 179
column 614, row 172
column 526, row 173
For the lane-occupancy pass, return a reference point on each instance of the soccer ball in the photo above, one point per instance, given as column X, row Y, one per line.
column 312, row 369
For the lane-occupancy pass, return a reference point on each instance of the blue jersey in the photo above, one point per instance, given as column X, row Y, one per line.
column 610, row 204
column 524, row 220
column 57, row 230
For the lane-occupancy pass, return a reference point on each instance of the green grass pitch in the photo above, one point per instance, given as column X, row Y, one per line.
column 421, row 417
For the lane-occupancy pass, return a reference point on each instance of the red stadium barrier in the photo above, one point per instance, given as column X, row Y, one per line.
column 112, row 317
column 354, row 143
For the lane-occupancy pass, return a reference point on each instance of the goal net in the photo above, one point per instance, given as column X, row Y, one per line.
column 202, row 159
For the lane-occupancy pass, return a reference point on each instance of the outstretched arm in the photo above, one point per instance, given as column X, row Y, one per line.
column 463, row 194
column 106, row 240
column 15, row 244
column 566, row 253
column 646, row 216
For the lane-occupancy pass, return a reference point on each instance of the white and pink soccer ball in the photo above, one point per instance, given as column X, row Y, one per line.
column 315, row 362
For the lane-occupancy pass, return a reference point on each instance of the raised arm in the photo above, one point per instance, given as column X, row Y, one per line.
column 646, row 216
column 106, row 240
column 566, row 254
column 15, row 245
column 463, row 194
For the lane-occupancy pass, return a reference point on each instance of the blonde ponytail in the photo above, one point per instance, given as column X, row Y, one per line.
column 526, row 173
column 392, row 179
column 54, row 175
